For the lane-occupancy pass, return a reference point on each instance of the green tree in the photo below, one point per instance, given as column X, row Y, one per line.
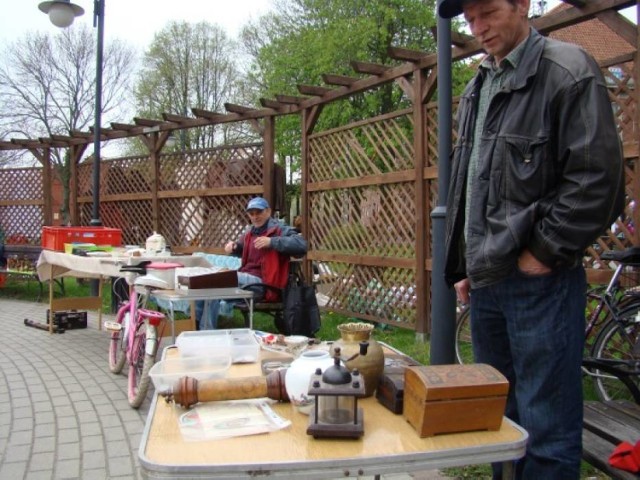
column 190, row 65
column 47, row 87
column 303, row 39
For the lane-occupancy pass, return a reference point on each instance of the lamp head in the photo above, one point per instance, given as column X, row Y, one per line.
column 61, row 12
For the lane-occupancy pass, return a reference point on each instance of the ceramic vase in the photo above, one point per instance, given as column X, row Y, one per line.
column 370, row 365
column 299, row 374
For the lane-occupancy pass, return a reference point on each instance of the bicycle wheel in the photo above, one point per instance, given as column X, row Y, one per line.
column 464, row 349
column 617, row 341
column 141, row 363
column 118, row 342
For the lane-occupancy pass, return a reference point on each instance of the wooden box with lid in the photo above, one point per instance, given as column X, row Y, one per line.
column 454, row 398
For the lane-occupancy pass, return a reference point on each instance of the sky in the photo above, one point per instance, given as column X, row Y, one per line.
column 135, row 21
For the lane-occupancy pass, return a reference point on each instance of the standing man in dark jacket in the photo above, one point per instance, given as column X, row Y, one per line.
column 536, row 177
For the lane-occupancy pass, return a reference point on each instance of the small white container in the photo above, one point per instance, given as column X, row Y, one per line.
column 244, row 345
column 240, row 343
column 166, row 373
column 204, row 342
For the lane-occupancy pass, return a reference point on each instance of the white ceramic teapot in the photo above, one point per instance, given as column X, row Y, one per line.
column 156, row 243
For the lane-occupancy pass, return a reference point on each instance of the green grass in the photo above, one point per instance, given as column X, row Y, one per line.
column 401, row 339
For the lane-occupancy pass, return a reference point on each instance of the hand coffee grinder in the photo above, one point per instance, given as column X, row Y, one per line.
column 336, row 391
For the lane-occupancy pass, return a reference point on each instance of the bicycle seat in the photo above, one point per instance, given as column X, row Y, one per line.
column 628, row 256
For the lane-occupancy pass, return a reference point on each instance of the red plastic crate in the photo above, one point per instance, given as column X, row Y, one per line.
column 54, row 238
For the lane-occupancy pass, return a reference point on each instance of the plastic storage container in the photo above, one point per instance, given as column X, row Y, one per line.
column 240, row 343
column 166, row 373
column 203, row 342
column 244, row 346
column 54, row 238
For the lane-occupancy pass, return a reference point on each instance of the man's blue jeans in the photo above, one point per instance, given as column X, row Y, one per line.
column 207, row 311
column 531, row 328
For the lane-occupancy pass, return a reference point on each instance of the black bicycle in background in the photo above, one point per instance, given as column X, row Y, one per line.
column 612, row 331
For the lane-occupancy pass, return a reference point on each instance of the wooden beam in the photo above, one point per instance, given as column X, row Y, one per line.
column 459, row 39
column 313, row 90
column 342, row 80
column 170, row 117
column 125, row 127
column 406, row 54
column 268, row 103
column 610, row 62
column 63, row 138
column 241, row 109
column 50, row 142
column 209, row 115
column 369, row 68
column 147, row 122
column 572, row 16
column 290, row 99
column 406, row 86
column 431, row 85
column 27, row 143
column 80, row 134
column 576, row 3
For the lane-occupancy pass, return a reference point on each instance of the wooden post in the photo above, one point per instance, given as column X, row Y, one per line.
column 422, row 216
column 268, row 138
column 309, row 119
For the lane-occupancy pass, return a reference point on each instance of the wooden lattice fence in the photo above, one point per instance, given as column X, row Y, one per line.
column 369, row 189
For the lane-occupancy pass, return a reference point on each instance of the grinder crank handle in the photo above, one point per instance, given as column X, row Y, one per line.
column 188, row 391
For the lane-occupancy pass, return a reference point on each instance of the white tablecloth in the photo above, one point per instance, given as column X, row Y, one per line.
column 59, row 264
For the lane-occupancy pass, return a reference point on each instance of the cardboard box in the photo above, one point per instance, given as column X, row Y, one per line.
column 454, row 398
column 223, row 279
column 68, row 319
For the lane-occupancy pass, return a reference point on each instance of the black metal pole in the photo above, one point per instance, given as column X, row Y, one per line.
column 98, row 18
column 443, row 303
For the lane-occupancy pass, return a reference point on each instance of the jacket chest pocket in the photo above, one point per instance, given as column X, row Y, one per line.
column 526, row 167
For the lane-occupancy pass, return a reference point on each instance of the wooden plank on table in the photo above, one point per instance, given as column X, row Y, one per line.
column 76, row 303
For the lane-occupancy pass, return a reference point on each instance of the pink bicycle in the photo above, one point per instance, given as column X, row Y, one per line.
column 134, row 334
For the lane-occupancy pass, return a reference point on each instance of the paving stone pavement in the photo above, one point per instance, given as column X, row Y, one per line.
column 63, row 415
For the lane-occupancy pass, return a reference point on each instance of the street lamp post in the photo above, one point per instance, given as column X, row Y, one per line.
column 62, row 13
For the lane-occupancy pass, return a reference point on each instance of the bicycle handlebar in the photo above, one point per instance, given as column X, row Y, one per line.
column 140, row 268
column 628, row 256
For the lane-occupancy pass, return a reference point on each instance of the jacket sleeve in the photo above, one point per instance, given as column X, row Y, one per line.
column 589, row 194
column 290, row 242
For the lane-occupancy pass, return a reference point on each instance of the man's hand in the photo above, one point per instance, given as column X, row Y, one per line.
column 262, row 242
column 462, row 290
column 230, row 247
column 530, row 265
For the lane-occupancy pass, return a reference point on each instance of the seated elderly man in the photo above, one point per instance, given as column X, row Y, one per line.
column 265, row 248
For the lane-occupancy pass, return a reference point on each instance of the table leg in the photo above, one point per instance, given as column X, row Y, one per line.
column 51, row 315
column 508, row 470
column 173, row 323
column 251, row 313
column 100, row 309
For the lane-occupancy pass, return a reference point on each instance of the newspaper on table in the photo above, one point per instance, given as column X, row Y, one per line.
column 233, row 418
